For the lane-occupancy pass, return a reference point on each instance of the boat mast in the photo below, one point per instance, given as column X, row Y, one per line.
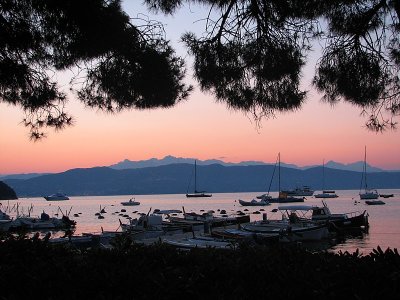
column 323, row 175
column 273, row 173
column 195, row 177
column 279, row 171
column 364, row 174
column 365, row 166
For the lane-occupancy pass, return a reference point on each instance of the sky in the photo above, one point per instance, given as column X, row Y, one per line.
column 197, row 128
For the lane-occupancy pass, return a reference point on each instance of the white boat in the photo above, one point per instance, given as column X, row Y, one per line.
column 291, row 227
column 42, row 222
column 200, row 220
column 336, row 221
column 325, row 193
column 196, row 193
column 368, row 193
column 56, row 197
column 131, row 202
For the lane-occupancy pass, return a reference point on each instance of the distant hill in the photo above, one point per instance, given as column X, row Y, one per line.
column 22, row 176
column 175, row 179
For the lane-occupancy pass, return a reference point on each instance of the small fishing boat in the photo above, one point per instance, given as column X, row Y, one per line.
column 131, row 202
column 254, row 202
column 386, row 195
column 374, row 202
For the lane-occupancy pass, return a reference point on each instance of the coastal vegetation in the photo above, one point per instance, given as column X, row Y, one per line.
column 6, row 192
column 32, row 267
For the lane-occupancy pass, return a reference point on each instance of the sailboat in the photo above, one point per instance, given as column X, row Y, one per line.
column 325, row 193
column 197, row 193
column 283, row 197
column 267, row 195
column 367, row 194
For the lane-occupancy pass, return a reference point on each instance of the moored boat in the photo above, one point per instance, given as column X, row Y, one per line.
column 367, row 194
column 300, row 191
column 254, row 202
column 131, row 202
column 56, row 197
column 374, row 202
column 285, row 198
column 339, row 221
column 200, row 242
column 196, row 193
column 386, row 195
column 195, row 219
column 326, row 194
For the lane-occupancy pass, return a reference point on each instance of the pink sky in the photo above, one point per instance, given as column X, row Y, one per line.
column 198, row 128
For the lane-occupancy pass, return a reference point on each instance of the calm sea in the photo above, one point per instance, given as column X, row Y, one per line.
column 384, row 219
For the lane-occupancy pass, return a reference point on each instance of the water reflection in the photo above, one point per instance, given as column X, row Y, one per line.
column 384, row 220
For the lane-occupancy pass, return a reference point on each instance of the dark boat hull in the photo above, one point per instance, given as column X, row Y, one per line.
column 199, row 195
column 286, row 200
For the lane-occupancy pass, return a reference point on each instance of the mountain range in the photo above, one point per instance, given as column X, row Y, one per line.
column 168, row 160
column 178, row 179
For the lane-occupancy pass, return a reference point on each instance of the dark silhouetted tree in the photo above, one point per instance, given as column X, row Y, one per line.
column 253, row 51
column 115, row 64
column 250, row 56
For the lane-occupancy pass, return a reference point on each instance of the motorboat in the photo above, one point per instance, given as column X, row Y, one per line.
column 254, row 202
column 56, row 197
column 131, row 202
column 300, row 191
column 291, row 227
column 196, row 219
column 339, row 221
column 302, row 231
column 326, row 194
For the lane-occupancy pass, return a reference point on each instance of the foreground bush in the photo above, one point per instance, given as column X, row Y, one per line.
column 35, row 269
